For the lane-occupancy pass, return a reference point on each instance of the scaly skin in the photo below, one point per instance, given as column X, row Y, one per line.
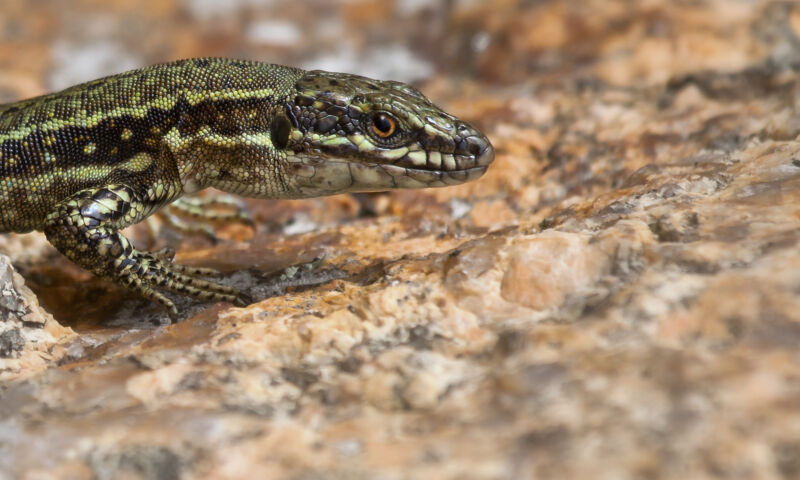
column 86, row 162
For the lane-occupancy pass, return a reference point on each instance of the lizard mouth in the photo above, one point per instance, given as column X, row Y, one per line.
column 473, row 152
column 324, row 174
column 407, row 177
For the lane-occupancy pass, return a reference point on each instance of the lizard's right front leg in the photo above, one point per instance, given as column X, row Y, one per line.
column 85, row 228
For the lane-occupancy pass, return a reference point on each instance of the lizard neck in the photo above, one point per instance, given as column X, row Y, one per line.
column 246, row 165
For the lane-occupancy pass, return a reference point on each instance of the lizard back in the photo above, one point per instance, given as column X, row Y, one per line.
column 57, row 144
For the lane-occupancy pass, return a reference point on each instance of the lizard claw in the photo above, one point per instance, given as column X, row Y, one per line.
column 243, row 300
column 166, row 254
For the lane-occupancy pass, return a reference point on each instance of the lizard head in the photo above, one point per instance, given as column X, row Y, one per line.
column 346, row 133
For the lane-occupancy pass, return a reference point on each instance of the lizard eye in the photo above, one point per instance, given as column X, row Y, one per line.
column 384, row 124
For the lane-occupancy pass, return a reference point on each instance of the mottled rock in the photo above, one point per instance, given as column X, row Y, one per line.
column 30, row 339
column 546, row 268
column 616, row 298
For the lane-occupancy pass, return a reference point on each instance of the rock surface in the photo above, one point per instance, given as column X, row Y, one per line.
column 617, row 298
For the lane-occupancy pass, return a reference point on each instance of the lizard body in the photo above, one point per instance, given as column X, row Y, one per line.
column 86, row 162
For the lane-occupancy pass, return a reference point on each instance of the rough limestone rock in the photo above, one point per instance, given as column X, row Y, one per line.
column 618, row 298
column 30, row 339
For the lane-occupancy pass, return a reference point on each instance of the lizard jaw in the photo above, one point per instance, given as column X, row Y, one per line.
column 317, row 176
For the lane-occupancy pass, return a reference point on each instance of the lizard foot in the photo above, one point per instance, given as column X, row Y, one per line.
column 196, row 215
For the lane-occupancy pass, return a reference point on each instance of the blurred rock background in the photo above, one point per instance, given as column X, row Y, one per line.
column 617, row 297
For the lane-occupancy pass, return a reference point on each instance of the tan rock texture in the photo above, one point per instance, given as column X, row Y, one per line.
column 618, row 298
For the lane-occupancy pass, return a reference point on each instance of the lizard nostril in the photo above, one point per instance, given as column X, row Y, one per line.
column 474, row 145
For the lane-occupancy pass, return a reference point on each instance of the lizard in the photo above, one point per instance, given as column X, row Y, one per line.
column 83, row 163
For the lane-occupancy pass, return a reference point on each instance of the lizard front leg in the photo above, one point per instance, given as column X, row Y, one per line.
column 85, row 228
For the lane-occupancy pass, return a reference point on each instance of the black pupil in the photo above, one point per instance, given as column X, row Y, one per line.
column 383, row 123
